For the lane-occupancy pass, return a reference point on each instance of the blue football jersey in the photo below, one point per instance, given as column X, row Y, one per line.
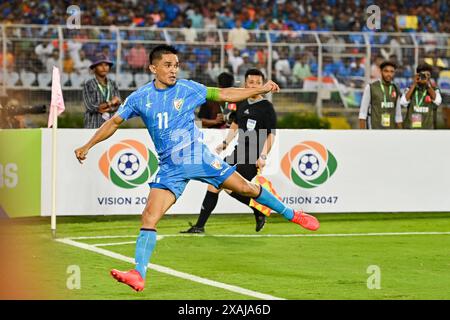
column 167, row 113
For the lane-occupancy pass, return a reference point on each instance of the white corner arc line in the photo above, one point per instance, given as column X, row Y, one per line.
column 170, row 271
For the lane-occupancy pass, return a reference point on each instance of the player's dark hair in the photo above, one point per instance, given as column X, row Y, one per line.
column 388, row 63
column 158, row 51
column 254, row 72
column 225, row 80
column 424, row 67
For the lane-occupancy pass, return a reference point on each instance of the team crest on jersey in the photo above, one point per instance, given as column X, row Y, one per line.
column 177, row 104
column 216, row 164
column 394, row 94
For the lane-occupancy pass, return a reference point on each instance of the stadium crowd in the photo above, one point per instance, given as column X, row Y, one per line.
column 198, row 21
column 325, row 15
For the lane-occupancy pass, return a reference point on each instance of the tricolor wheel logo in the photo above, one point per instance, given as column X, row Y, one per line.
column 309, row 164
column 128, row 164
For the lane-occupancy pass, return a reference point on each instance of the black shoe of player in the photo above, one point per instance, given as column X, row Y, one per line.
column 194, row 229
column 260, row 221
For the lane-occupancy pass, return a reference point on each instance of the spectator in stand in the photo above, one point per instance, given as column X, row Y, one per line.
column 356, row 69
column 44, row 50
column 375, row 71
column 234, row 60
column 32, row 64
column 10, row 60
column 82, row 66
column 343, row 69
column 283, row 70
column 52, row 61
column 163, row 22
column 246, row 65
column 196, row 18
column 210, row 21
column 68, row 64
column 203, row 53
column 213, row 68
column 238, row 36
column 190, row 34
column 299, row 15
column 137, row 58
column 171, row 10
column 191, row 64
column 73, row 49
column 301, row 70
column 106, row 51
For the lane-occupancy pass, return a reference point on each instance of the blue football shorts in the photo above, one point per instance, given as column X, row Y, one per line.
column 194, row 163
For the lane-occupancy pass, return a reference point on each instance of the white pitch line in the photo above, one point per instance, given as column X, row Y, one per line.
column 371, row 234
column 101, row 237
column 112, row 244
column 172, row 272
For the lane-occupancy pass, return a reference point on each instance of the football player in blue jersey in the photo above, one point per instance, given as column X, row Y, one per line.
column 166, row 105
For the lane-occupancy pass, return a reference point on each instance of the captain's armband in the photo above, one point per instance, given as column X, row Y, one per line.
column 212, row 93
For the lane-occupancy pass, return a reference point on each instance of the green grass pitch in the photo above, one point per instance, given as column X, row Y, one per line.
column 411, row 266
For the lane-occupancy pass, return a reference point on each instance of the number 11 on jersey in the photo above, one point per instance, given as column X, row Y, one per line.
column 163, row 119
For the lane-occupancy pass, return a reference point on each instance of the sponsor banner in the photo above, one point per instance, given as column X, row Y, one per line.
column 20, row 175
column 314, row 170
column 364, row 171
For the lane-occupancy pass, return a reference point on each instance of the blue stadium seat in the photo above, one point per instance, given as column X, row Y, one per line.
column 444, row 83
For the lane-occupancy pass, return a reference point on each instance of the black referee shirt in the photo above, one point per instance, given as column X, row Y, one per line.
column 256, row 119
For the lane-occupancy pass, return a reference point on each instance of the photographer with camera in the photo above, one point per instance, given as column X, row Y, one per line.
column 12, row 115
column 421, row 100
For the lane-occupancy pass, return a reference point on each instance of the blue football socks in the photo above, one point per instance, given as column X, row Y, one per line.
column 144, row 247
column 269, row 200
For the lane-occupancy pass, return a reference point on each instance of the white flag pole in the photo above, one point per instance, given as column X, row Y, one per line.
column 54, row 165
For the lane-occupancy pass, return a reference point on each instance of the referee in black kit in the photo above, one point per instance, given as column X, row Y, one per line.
column 256, row 120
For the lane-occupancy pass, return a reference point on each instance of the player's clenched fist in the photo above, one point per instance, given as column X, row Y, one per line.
column 271, row 86
column 81, row 153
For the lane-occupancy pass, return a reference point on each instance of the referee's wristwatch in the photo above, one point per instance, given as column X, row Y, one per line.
column 263, row 157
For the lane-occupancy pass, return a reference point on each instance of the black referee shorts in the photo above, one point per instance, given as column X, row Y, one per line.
column 247, row 170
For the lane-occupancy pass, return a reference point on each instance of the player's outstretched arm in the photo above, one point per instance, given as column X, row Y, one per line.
column 239, row 94
column 104, row 132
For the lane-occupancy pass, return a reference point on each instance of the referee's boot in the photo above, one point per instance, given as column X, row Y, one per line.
column 260, row 221
column 194, row 229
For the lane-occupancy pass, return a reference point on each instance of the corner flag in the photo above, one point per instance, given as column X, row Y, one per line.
column 56, row 108
column 57, row 101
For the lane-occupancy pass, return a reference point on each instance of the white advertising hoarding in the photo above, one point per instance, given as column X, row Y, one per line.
column 314, row 170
